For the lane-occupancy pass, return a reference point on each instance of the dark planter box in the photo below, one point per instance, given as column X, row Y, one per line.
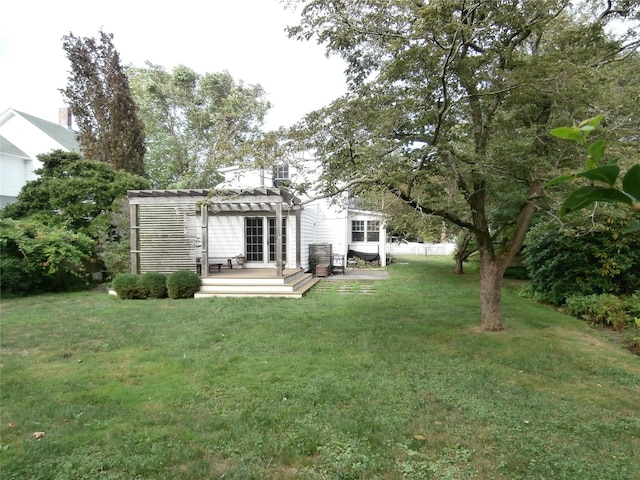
column 322, row 270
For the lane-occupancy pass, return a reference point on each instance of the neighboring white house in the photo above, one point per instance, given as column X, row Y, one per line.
column 22, row 138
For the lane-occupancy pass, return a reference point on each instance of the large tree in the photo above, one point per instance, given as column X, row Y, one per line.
column 451, row 103
column 195, row 123
column 99, row 97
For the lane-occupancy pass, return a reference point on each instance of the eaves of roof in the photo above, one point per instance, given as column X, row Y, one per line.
column 9, row 148
column 61, row 134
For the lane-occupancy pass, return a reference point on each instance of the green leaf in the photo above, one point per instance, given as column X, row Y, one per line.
column 606, row 174
column 585, row 196
column 631, row 182
column 576, row 200
column 558, row 180
column 567, row 133
column 634, row 227
column 596, row 150
column 591, row 123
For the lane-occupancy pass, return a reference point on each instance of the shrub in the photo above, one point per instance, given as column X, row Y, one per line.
column 183, row 284
column 154, row 284
column 127, row 286
column 632, row 307
column 587, row 257
column 113, row 240
column 313, row 263
column 603, row 309
column 36, row 258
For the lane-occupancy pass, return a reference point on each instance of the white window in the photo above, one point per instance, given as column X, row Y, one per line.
column 357, row 230
column 373, row 231
column 365, row 231
column 280, row 175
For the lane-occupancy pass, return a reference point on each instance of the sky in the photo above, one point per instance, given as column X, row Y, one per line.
column 244, row 37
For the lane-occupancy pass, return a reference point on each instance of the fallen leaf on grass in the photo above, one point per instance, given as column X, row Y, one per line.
column 420, row 438
column 11, row 426
column 37, row 435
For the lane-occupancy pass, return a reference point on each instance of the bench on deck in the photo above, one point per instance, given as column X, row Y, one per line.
column 217, row 263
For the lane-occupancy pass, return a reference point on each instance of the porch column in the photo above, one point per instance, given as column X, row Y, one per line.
column 204, row 220
column 298, row 238
column 133, row 237
column 383, row 244
column 279, row 272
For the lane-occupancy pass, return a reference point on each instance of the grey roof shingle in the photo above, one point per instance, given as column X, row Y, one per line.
column 61, row 134
column 10, row 149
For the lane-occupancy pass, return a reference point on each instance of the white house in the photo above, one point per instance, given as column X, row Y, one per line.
column 236, row 224
column 22, row 138
column 335, row 221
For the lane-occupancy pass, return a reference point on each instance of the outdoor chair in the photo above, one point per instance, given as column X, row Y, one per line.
column 337, row 263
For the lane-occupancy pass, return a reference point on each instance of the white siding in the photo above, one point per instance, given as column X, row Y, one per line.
column 30, row 139
column 235, row 177
column 309, row 220
column 226, row 236
column 13, row 175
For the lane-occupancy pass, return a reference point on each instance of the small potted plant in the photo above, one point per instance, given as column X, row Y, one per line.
column 240, row 259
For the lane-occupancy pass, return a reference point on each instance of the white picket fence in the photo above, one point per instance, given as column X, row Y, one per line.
column 414, row 248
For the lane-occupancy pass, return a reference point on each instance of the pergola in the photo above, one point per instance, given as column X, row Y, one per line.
column 212, row 202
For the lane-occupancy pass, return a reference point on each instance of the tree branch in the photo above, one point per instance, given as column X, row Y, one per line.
column 417, row 206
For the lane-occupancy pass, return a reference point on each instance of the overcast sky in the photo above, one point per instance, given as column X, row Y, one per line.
column 245, row 37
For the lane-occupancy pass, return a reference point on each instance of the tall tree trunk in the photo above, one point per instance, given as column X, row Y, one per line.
column 493, row 265
column 491, row 275
column 459, row 264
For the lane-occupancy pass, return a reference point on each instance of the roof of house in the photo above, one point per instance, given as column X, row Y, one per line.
column 9, row 148
column 60, row 133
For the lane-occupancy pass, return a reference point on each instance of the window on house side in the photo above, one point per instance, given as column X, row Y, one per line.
column 357, row 230
column 373, row 231
column 281, row 172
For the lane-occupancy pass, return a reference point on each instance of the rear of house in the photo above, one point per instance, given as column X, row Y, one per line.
column 250, row 220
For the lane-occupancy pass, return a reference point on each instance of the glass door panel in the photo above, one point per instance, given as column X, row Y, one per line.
column 254, row 239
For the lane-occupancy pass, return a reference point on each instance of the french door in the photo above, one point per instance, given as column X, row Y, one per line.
column 258, row 242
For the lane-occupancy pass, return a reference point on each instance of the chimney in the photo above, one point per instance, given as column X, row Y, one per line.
column 64, row 117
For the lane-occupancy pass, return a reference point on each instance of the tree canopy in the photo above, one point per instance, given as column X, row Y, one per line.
column 451, row 103
column 72, row 192
column 100, row 99
column 52, row 237
column 195, row 123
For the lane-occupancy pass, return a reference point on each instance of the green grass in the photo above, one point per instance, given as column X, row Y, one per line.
column 396, row 385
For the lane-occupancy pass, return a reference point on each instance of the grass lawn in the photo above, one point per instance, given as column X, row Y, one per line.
column 395, row 385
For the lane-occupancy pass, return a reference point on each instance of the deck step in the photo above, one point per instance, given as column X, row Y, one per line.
column 293, row 286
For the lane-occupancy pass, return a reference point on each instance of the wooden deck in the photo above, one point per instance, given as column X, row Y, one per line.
column 256, row 273
column 256, row 282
